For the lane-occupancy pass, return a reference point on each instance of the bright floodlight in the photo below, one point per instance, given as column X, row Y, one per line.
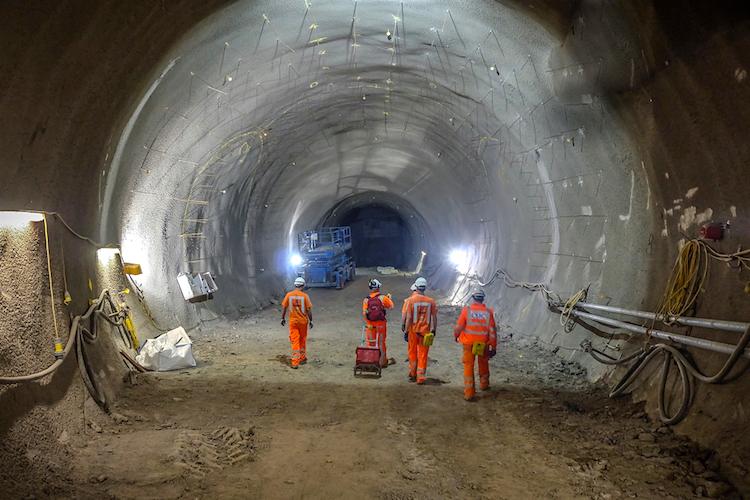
column 104, row 255
column 19, row 220
column 460, row 259
column 295, row 259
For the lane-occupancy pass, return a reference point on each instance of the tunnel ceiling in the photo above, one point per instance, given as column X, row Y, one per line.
column 268, row 114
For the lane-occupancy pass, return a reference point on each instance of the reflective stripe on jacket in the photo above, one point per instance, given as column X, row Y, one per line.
column 476, row 324
column 299, row 304
column 420, row 313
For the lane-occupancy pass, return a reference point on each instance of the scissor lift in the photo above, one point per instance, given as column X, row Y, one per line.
column 326, row 257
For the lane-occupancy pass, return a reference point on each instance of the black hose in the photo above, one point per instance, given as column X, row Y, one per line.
column 83, row 330
column 688, row 372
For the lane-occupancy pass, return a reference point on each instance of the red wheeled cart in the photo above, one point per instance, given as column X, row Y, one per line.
column 367, row 357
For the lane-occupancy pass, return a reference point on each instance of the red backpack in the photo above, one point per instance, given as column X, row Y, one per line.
column 375, row 309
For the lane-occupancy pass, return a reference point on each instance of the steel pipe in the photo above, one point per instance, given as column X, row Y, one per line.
column 660, row 334
column 716, row 324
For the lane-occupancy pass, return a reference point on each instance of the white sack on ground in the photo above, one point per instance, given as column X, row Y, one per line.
column 387, row 270
column 170, row 351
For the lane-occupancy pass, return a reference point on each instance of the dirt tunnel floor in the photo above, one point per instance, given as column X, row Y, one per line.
column 244, row 425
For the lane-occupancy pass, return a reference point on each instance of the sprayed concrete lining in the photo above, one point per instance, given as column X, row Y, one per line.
column 572, row 143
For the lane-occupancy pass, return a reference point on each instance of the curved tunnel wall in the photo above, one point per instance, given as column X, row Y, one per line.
column 269, row 114
column 576, row 164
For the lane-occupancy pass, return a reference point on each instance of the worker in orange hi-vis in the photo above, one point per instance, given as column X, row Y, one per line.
column 419, row 323
column 374, row 308
column 476, row 330
column 300, row 315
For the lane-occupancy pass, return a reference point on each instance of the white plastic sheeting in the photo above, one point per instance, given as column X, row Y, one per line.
column 170, row 351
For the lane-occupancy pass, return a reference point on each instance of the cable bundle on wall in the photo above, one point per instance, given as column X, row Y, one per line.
column 684, row 286
column 83, row 330
column 686, row 281
column 690, row 273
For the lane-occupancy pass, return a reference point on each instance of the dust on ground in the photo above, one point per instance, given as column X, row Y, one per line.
column 244, row 425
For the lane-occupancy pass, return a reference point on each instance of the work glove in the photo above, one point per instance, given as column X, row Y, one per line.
column 455, row 337
column 311, row 325
column 491, row 352
column 283, row 322
column 433, row 332
column 406, row 337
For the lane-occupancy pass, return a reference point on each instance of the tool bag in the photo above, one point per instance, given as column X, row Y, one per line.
column 375, row 309
column 428, row 339
column 477, row 348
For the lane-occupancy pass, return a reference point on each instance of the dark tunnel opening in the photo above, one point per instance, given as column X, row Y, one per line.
column 380, row 237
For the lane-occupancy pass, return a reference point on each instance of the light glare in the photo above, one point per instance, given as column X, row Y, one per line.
column 104, row 255
column 19, row 220
column 460, row 259
column 295, row 259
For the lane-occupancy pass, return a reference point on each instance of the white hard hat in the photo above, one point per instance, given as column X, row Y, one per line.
column 478, row 294
column 300, row 281
column 413, row 287
column 374, row 283
column 420, row 283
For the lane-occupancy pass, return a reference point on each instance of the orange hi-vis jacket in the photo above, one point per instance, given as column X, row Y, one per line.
column 476, row 324
column 403, row 308
column 420, row 314
column 299, row 304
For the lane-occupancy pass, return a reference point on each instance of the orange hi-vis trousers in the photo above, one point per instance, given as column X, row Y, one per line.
column 298, row 339
column 484, row 371
column 377, row 330
column 417, row 357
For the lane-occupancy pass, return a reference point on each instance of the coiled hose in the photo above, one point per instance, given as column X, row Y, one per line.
column 687, row 371
column 83, row 330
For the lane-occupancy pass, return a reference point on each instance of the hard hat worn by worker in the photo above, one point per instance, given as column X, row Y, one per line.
column 419, row 324
column 299, row 306
column 476, row 331
column 375, row 284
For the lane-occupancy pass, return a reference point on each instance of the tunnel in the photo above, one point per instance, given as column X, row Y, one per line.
column 552, row 153
column 386, row 231
column 380, row 237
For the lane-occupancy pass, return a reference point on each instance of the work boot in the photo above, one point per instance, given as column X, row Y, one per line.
column 303, row 362
column 412, row 378
column 293, row 367
column 472, row 399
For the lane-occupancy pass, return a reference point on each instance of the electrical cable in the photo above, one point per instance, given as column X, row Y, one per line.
column 686, row 281
column 690, row 273
column 80, row 334
column 49, row 276
column 511, row 283
column 73, row 231
column 566, row 321
column 146, row 309
column 688, row 371
column 96, row 244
